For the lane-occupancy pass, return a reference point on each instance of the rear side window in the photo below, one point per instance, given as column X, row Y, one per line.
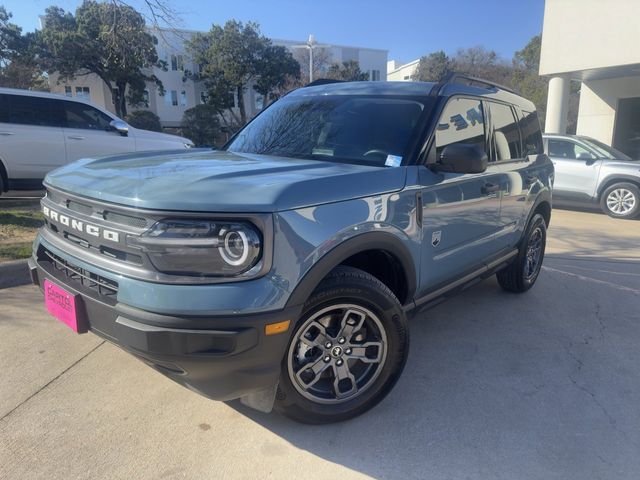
column 4, row 108
column 506, row 136
column 79, row 115
column 462, row 121
column 531, row 134
column 27, row 110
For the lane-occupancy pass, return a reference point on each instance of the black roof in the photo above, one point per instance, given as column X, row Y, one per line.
column 456, row 85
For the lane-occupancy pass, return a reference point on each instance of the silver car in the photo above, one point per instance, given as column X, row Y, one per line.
column 589, row 173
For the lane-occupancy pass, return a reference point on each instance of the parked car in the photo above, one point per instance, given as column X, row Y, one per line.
column 283, row 267
column 591, row 174
column 42, row 131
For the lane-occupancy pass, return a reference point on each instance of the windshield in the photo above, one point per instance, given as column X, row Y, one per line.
column 605, row 151
column 339, row 128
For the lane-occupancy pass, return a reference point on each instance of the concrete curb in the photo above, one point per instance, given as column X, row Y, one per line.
column 14, row 273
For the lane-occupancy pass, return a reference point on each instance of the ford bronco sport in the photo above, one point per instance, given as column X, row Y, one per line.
column 281, row 269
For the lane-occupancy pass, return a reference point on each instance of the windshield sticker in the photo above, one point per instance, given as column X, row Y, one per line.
column 393, row 161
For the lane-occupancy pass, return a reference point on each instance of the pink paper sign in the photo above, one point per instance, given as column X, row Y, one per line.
column 61, row 304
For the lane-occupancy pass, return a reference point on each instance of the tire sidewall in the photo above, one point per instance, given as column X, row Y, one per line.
column 628, row 186
column 393, row 320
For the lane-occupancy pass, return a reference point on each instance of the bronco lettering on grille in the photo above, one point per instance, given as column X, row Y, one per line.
column 81, row 226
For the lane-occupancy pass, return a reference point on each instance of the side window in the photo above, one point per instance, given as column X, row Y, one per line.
column 4, row 108
column 27, row 110
column 79, row 115
column 462, row 121
column 531, row 133
column 570, row 150
column 506, row 136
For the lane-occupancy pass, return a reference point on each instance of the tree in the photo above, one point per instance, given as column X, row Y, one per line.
column 107, row 39
column 347, row 71
column 145, row 120
column 235, row 57
column 482, row 63
column 433, row 67
column 277, row 71
column 9, row 36
column 18, row 65
column 201, row 125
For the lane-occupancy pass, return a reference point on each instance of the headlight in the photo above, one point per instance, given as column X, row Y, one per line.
column 201, row 247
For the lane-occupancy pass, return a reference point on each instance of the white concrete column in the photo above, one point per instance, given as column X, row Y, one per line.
column 557, row 104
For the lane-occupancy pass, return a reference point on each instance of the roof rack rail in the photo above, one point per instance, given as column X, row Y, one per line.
column 453, row 77
column 322, row 81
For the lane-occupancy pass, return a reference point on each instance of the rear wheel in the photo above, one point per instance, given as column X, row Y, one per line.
column 347, row 351
column 523, row 272
column 621, row 200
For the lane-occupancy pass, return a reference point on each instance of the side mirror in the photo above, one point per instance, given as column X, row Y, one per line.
column 462, row 158
column 120, row 126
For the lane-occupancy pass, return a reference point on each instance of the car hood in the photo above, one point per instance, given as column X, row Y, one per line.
column 218, row 181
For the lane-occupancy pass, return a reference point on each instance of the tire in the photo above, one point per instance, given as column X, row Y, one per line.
column 352, row 327
column 621, row 200
column 523, row 272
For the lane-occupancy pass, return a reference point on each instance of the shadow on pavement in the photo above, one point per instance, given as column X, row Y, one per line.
column 540, row 385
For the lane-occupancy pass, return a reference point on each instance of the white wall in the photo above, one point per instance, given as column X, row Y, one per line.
column 402, row 73
column 585, row 34
column 598, row 105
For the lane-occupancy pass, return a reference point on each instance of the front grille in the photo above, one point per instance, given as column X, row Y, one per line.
column 128, row 220
column 79, row 207
column 105, row 288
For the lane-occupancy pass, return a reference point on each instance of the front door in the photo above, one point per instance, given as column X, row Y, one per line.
column 460, row 211
column 576, row 170
column 87, row 133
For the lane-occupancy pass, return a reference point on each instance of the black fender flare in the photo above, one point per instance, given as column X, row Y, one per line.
column 384, row 241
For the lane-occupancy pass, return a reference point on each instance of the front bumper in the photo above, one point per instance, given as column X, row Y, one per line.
column 222, row 358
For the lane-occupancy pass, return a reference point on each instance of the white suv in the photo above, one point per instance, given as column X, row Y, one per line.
column 42, row 131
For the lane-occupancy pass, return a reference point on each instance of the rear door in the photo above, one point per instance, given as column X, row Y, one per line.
column 87, row 133
column 577, row 169
column 31, row 139
column 460, row 211
column 509, row 160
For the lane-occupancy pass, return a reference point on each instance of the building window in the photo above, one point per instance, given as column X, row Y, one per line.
column 407, row 77
column 145, row 97
column 67, row 91
column 83, row 92
column 374, row 76
column 177, row 62
column 174, row 98
column 183, row 98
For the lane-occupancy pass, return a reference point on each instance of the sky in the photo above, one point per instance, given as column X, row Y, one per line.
column 406, row 28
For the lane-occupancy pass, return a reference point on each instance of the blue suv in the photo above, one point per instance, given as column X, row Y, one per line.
column 282, row 269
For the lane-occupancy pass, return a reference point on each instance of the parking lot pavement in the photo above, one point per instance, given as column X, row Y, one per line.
column 542, row 385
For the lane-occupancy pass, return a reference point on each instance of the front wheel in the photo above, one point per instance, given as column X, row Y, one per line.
column 621, row 200
column 523, row 272
column 347, row 351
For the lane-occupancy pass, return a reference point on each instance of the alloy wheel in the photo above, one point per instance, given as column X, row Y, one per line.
column 621, row 201
column 337, row 354
column 533, row 254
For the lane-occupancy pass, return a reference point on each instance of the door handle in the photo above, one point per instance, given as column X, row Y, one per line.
column 76, row 137
column 6, row 134
column 488, row 188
